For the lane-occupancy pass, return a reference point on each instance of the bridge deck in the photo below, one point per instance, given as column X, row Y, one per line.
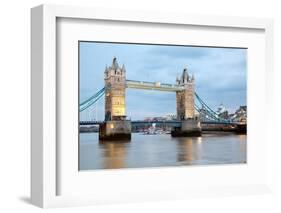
column 153, row 86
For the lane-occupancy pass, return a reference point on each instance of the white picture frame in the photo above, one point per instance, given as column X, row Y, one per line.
column 45, row 167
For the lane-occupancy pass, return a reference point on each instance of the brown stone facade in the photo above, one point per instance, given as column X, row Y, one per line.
column 115, row 83
column 115, row 127
column 190, row 126
column 185, row 98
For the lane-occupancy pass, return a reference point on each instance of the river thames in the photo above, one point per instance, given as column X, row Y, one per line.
column 161, row 150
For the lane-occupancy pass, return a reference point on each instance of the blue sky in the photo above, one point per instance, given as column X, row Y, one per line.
column 220, row 75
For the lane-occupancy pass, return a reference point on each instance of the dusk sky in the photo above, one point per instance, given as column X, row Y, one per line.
column 220, row 75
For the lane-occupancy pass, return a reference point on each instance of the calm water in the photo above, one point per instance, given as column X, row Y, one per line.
column 161, row 150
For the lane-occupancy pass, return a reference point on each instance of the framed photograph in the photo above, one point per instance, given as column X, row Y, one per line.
column 130, row 106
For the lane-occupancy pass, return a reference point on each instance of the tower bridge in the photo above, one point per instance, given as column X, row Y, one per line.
column 115, row 124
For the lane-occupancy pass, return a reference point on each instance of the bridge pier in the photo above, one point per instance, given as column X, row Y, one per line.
column 115, row 130
column 188, row 128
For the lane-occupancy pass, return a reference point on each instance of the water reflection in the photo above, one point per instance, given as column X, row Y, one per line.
column 114, row 154
column 161, row 150
column 242, row 146
column 189, row 150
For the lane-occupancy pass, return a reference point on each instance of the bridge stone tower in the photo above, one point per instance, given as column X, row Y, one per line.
column 115, row 91
column 115, row 126
column 185, row 98
column 190, row 126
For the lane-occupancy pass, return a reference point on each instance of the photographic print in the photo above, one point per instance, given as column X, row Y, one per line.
column 159, row 105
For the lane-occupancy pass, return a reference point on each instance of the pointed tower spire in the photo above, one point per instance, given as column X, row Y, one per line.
column 114, row 63
column 192, row 78
column 106, row 72
column 185, row 76
column 123, row 68
column 178, row 80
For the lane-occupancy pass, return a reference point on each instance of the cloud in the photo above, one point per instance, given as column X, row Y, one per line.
column 178, row 52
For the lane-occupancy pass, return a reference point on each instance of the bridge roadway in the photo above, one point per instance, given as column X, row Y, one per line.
column 153, row 86
column 172, row 123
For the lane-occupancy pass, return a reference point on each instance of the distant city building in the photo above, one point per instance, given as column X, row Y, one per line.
column 221, row 109
column 203, row 115
column 170, row 117
column 222, row 112
column 241, row 114
column 154, row 119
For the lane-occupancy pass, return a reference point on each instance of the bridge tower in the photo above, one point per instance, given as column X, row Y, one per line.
column 190, row 126
column 115, row 126
column 185, row 98
column 115, row 91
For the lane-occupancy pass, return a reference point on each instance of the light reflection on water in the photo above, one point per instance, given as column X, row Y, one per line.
column 161, row 150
